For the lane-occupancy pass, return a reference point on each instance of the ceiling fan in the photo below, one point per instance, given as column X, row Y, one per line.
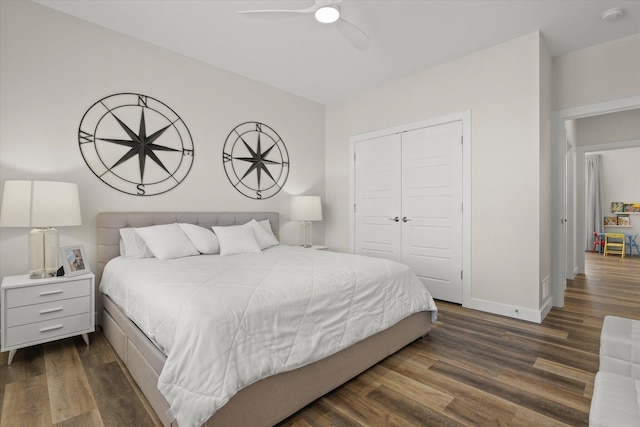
column 326, row 12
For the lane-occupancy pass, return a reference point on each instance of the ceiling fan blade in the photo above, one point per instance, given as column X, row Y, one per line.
column 284, row 13
column 354, row 35
column 271, row 14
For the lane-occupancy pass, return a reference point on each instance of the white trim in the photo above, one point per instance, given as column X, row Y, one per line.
column 436, row 121
column 558, row 171
column 465, row 118
column 547, row 305
column 506, row 310
column 516, row 312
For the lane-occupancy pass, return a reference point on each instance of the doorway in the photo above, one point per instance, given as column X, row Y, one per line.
column 619, row 184
column 560, row 251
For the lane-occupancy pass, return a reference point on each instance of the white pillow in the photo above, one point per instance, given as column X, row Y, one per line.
column 267, row 226
column 132, row 245
column 167, row 241
column 265, row 238
column 236, row 239
column 202, row 238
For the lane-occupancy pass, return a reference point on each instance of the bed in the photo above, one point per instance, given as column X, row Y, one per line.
column 265, row 401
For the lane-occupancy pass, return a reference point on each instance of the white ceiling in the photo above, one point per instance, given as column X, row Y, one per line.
column 314, row 61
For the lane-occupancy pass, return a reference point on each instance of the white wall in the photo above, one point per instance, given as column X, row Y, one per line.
column 54, row 67
column 502, row 88
column 596, row 74
column 545, row 179
column 608, row 128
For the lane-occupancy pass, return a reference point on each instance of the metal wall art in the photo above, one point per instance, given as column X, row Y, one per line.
column 136, row 144
column 255, row 160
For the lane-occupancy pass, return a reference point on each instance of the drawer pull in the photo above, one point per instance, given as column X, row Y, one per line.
column 44, row 294
column 52, row 328
column 51, row 310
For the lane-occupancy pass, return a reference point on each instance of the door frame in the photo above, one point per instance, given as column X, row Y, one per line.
column 580, row 199
column 465, row 118
column 559, row 243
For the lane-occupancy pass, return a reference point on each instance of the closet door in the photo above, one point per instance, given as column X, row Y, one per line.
column 432, row 208
column 378, row 197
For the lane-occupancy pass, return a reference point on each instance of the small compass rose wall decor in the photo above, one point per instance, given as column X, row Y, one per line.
column 136, row 144
column 255, row 160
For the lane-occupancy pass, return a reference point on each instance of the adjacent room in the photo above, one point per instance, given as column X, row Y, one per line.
column 286, row 212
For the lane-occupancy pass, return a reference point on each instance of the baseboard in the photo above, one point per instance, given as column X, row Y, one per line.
column 547, row 305
column 513, row 311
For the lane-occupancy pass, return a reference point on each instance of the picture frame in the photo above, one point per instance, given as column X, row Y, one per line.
column 617, row 207
column 623, row 220
column 610, row 220
column 74, row 260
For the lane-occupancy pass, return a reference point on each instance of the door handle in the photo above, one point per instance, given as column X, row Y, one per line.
column 396, row 219
column 405, row 219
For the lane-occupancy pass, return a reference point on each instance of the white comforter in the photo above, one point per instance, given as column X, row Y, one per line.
column 226, row 322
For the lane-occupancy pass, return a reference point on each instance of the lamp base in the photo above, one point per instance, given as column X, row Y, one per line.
column 40, row 275
column 43, row 253
column 306, row 234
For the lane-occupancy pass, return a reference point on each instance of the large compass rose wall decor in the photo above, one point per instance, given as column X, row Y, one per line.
column 136, row 144
column 255, row 160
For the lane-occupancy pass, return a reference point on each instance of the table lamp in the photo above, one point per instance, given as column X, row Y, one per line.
column 306, row 209
column 43, row 205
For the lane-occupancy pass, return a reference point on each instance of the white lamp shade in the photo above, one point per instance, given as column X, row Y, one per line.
column 40, row 204
column 306, row 208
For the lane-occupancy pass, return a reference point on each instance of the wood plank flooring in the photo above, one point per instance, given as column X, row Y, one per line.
column 474, row 369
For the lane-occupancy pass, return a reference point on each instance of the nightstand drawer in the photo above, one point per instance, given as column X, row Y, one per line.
column 43, row 331
column 52, row 310
column 37, row 294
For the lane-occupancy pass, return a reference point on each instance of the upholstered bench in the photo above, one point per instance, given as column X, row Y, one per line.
column 616, row 401
column 620, row 346
column 616, row 391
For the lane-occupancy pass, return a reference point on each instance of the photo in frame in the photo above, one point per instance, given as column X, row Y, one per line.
column 617, row 207
column 74, row 260
column 623, row 220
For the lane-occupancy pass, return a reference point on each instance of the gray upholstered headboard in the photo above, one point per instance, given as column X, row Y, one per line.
column 110, row 223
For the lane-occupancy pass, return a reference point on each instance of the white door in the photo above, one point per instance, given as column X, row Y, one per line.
column 378, row 197
column 408, row 195
column 432, row 208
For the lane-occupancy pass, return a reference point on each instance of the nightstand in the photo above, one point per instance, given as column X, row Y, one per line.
column 35, row 311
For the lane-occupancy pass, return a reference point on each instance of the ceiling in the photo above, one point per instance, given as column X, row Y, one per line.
column 314, row 61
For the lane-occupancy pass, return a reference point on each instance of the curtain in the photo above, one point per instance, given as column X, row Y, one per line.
column 593, row 198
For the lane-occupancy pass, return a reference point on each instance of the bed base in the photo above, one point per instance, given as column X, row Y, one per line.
column 270, row 400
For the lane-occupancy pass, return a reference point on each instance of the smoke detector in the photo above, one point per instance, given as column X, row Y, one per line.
column 612, row 15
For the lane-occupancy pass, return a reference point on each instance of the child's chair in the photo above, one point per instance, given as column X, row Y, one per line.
column 598, row 242
column 614, row 244
column 633, row 244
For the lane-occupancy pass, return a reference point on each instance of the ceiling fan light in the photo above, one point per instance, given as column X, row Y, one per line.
column 327, row 14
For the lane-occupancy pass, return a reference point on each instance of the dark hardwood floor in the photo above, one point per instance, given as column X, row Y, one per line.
column 473, row 369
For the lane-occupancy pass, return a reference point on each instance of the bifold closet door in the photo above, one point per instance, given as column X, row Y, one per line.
column 378, row 197
column 432, row 208
column 408, row 196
